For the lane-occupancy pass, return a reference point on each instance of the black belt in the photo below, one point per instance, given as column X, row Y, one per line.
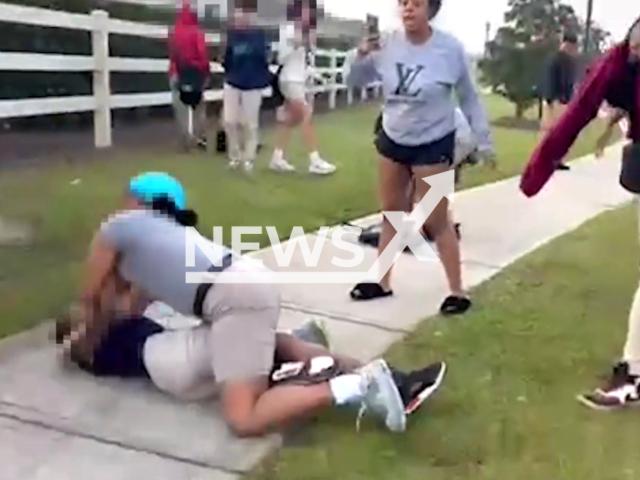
column 203, row 288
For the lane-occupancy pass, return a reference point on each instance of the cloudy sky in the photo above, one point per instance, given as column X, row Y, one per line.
column 467, row 18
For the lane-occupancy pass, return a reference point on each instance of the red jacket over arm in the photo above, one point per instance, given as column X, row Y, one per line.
column 581, row 110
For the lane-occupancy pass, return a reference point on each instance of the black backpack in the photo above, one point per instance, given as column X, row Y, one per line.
column 190, row 86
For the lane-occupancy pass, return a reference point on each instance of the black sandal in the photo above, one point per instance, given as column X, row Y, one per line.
column 370, row 236
column 369, row 291
column 454, row 305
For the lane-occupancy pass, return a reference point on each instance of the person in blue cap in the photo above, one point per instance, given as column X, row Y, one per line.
column 140, row 251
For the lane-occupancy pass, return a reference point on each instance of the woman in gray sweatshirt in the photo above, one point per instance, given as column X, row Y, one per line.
column 420, row 67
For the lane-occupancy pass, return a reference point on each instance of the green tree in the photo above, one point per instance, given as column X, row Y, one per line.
column 515, row 58
column 512, row 66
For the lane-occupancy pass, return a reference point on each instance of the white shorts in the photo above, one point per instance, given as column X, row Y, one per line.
column 293, row 90
column 235, row 341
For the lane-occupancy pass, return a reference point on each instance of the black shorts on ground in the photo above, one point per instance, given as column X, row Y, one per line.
column 438, row 152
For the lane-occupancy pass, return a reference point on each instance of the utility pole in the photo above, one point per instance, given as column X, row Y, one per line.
column 487, row 35
column 587, row 29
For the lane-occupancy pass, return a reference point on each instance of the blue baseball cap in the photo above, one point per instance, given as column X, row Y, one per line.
column 149, row 186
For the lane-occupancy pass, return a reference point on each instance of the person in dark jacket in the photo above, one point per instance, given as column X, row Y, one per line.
column 615, row 79
column 189, row 73
column 558, row 83
column 246, row 65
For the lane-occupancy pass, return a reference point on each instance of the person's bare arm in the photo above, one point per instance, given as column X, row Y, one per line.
column 133, row 301
column 99, row 272
column 605, row 138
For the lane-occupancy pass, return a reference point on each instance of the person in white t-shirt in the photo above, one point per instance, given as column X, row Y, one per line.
column 296, row 40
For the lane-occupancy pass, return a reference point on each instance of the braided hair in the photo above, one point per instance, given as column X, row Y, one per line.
column 166, row 206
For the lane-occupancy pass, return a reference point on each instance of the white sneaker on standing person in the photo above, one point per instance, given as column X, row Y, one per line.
column 295, row 39
column 247, row 74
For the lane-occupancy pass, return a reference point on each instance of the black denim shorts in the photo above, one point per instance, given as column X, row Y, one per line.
column 438, row 152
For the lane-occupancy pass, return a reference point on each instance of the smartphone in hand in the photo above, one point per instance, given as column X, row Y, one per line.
column 373, row 29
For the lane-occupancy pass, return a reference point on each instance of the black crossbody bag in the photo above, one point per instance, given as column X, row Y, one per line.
column 630, row 171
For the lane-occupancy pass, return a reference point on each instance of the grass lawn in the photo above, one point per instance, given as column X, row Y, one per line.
column 544, row 330
column 39, row 280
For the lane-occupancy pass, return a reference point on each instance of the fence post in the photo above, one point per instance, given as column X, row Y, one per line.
column 101, row 82
column 333, row 65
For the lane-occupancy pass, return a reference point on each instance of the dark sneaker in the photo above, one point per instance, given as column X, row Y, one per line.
column 418, row 385
column 201, row 143
column 563, row 166
column 620, row 391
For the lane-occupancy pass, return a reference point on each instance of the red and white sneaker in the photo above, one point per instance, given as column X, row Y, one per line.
column 418, row 385
column 620, row 391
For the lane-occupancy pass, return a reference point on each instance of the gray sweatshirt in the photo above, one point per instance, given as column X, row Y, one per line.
column 418, row 82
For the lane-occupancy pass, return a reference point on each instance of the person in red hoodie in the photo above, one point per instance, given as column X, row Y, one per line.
column 615, row 79
column 189, row 74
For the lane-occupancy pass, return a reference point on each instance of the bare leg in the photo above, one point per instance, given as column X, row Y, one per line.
column 441, row 228
column 395, row 180
column 283, row 135
column 251, row 408
column 308, row 132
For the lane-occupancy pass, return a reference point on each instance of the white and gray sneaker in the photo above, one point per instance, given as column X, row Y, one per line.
column 279, row 164
column 234, row 164
column 318, row 166
column 382, row 397
column 248, row 166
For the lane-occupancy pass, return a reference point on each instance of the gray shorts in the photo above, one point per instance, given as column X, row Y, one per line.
column 236, row 340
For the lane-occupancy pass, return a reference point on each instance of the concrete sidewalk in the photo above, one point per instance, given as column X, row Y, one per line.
column 57, row 425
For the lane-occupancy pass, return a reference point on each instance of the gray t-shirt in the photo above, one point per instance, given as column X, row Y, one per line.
column 153, row 256
column 418, row 82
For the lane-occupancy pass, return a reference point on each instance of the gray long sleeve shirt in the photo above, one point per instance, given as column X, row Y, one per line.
column 418, row 82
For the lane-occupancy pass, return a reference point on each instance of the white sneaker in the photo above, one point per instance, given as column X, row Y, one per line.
column 248, row 166
column 382, row 397
column 281, row 165
column 321, row 167
column 234, row 164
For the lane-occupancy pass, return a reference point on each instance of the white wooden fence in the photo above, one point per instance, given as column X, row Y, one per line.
column 102, row 102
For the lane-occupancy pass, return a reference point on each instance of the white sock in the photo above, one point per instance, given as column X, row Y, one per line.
column 347, row 388
column 278, row 154
column 314, row 156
